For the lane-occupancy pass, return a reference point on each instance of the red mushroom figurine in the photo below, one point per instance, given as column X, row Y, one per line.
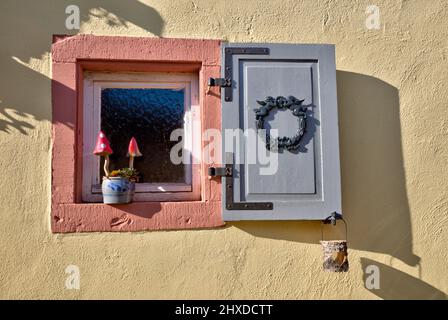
column 103, row 148
column 133, row 151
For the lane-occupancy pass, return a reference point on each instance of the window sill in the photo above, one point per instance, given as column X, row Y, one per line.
column 135, row 216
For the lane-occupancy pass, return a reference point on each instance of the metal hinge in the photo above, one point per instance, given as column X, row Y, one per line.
column 226, row 82
column 228, row 64
column 220, row 172
column 227, row 173
column 219, row 82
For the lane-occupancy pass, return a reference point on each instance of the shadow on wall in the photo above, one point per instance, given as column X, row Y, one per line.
column 394, row 284
column 27, row 29
column 374, row 199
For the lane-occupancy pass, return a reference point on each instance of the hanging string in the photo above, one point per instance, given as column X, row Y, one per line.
column 332, row 219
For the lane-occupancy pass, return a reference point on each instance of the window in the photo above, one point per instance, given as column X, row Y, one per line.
column 161, row 111
column 110, row 82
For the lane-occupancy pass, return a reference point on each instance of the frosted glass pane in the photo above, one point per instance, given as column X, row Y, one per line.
column 149, row 115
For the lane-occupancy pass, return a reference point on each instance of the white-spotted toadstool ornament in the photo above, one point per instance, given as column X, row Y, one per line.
column 103, row 149
column 133, row 151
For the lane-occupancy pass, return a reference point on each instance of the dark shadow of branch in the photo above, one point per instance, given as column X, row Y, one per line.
column 27, row 91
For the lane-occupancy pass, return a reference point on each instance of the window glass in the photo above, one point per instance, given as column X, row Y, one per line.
column 150, row 115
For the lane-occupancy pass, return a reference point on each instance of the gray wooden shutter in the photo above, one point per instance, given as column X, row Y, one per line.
column 306, row 184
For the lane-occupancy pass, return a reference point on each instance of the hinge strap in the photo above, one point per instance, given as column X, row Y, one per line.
column 230, row 204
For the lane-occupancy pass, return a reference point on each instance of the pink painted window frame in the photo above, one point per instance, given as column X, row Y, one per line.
column 71, row 56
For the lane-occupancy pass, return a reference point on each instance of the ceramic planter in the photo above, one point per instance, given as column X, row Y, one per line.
column 117, row 190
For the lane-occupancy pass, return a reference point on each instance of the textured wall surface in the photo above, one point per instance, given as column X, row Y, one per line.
column 392, row 95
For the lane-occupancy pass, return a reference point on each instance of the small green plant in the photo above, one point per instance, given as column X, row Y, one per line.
column 131, row 173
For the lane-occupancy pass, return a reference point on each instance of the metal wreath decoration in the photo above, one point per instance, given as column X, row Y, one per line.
column 298, row 110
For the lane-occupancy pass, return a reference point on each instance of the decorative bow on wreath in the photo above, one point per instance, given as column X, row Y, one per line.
column 298, row 110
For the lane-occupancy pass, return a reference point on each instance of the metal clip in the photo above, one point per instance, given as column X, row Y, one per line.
column 333, row 218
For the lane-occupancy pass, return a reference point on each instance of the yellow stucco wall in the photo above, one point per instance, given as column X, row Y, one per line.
column 393, row 95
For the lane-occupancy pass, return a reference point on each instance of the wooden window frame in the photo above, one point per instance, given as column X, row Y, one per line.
column 93, row 83
column 72, row 56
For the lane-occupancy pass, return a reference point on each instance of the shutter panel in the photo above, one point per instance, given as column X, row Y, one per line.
column 306, row 182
